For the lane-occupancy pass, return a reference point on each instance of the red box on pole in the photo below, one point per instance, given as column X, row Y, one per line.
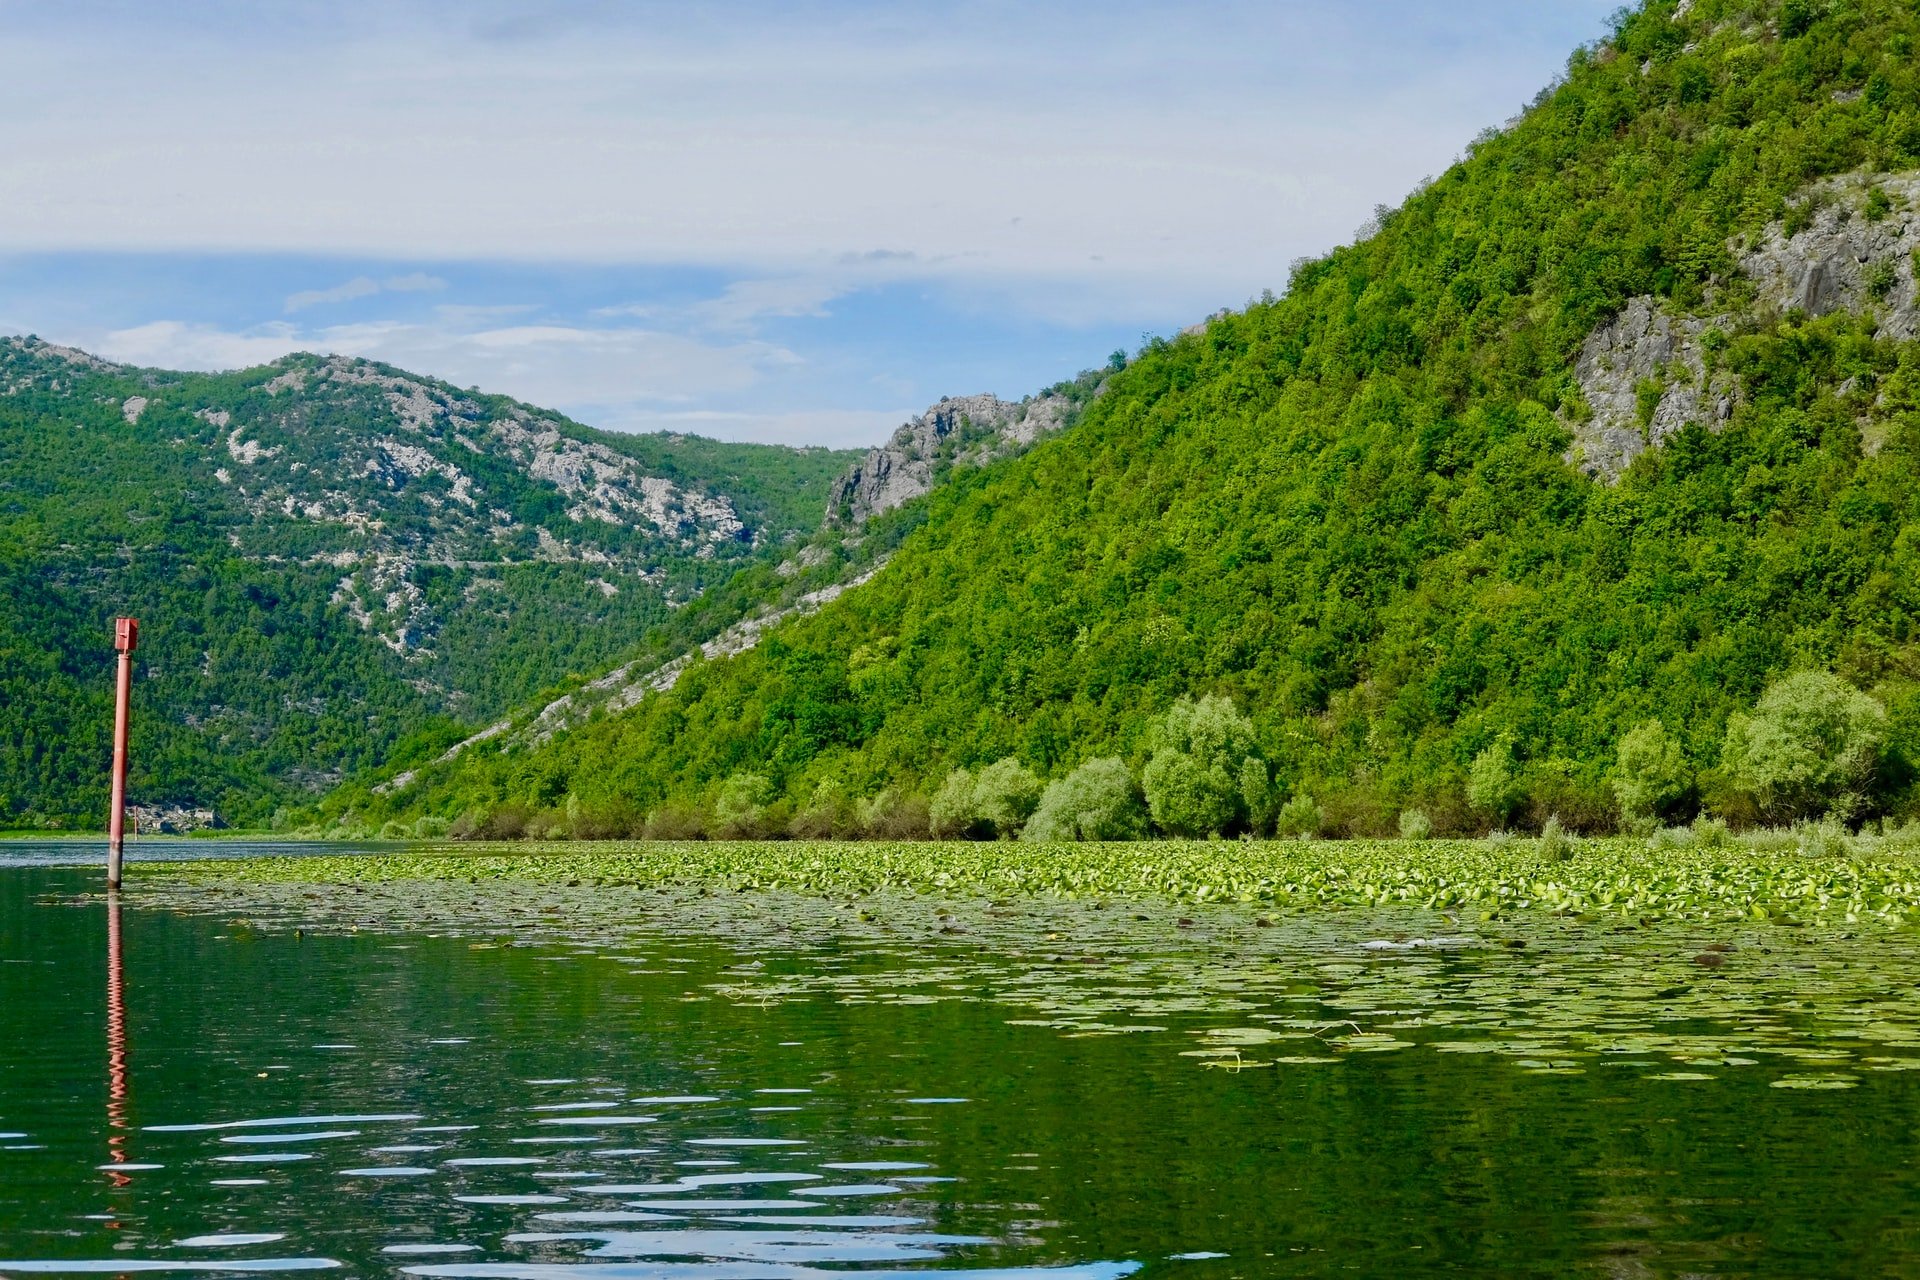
column 126, row 634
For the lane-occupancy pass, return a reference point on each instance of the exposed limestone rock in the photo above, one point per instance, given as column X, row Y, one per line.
column 1842, row 261
column 610, row 486
column 969, row 430
column 294, row 379
column 132, row 408
column 27, row 368
column 1639, row 347
column 247, row 452
column 1645, row 374
column 169, row 819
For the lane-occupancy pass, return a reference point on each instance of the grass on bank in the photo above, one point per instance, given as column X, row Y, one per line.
column 1789, row 879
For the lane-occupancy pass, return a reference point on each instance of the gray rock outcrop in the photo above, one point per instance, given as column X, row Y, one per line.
column 1643, row 345
column 964, row 430
column 1843, row 260
column 1645, row 374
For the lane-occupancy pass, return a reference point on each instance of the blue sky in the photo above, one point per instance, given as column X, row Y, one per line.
column 794, row 222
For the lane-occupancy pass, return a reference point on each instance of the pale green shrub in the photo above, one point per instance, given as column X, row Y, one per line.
column 1005, row 794
column 952, row 812
column 997, row 801
column 1810, row 746
column 740, row 808
column 1650, row 773
column 1097, row 801
column 1711, row 833
column 1827, row 838
column 1554, row 842
column 1205, row 775
column 1493, row 782
column 1300, row 816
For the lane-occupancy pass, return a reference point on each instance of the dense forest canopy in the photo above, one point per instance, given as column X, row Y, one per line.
column 1356, row 513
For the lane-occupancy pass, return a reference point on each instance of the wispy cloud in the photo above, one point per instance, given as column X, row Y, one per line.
column 1191, row 150
column 363, row 287
column 179, row 344
column 743, row 305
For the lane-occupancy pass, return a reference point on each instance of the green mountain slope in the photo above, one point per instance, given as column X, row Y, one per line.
column 1440, row 498
column 337, row 564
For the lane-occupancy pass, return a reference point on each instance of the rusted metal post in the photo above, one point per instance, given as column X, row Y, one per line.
column 126, row 634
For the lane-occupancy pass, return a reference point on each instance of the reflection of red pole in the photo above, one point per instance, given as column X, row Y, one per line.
column 116, row 1045
column 126, row 634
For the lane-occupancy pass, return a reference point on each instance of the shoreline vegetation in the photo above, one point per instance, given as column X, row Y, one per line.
column 1813, row 752
column 1785, row 878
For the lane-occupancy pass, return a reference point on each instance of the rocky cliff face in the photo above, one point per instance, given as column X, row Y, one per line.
column 964, row 431
column 395, row 472
column 1645, row 378
column 1648, row 372
column 1855, row 253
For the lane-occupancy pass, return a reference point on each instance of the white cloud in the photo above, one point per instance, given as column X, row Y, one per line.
column 176, row 344
column 622, row 378
column 358, row 287
column 413, row 282
column 748, row 301
column 743, row 304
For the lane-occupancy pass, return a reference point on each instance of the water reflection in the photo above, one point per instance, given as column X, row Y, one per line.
column 427, row 1189
column 665, row 1221
column 427, row 1149
column 117, row 1076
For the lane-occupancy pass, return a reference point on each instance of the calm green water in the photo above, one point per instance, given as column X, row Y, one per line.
column 635, row 1101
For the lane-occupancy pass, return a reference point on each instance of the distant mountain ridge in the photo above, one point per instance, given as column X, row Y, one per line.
column 330, row 555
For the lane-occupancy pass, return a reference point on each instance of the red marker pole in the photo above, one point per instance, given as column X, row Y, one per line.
column 126, row 634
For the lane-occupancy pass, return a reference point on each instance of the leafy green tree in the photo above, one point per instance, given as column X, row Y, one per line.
column 1300, row 816
column 895, row 814
column 1494, row 785
column 1005, row 794
column 1099, row 800
column 740, row 809
column 953, row 811
column 1810, row 746
column 1204, row 777
column 994, row 803
column 832, row 813
column 1651, row 774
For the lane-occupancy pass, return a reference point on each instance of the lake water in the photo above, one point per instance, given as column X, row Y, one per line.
column 90, row 851
column 532, row 1084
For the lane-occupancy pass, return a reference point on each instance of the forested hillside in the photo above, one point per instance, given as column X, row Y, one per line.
column 337, row 565
column 1612, row 424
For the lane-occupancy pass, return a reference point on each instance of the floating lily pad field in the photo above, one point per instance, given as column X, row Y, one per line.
column 1684, row 986
column 1486, row 880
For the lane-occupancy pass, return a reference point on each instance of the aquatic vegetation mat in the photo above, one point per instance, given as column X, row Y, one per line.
column 1614, row 877
column 1698, row 964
